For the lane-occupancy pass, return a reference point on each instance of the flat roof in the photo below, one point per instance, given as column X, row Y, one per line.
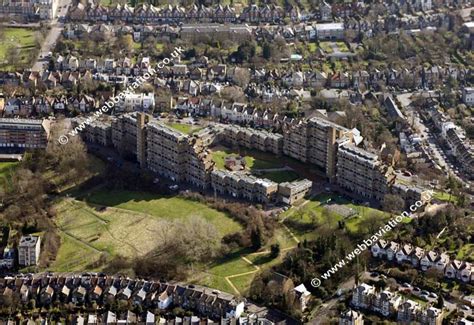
column 329, row 26
column 22, row 121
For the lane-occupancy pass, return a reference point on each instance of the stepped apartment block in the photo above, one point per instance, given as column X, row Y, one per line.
column 180, row 157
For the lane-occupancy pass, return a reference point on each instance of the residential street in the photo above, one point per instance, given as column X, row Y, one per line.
column 50, row 41
column 434, row 150
column 324, row 310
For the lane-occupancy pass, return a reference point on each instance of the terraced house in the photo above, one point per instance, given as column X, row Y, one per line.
column 83, row 290
column 169, row 14
column 417, row 257
column 388, row 304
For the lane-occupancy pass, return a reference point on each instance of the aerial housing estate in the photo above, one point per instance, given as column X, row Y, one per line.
column 186, row 158
column 180, row 157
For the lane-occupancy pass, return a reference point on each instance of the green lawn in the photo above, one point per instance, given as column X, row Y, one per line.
column 21, row 38
column 211, row 281
column 312, row 47
column 326, row 47
column 443, row 196
column 184, row 128
column 342, row 47
column 214, row 275
column 163, row 207
column 466, row 253
column 301, row 220
column 73, row 255
column 5, row 167
column 243, row 282
column 230, row 266
column 132, row 230
column 251, row 161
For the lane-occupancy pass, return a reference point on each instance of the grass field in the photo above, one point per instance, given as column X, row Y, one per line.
column 342, row 47
column 22, row 38
column 466, row 253
column 251, row 161
column 163, row 207
column 301, row 220
column 243, row 282
column 312, row 47
column 128, row 226
column 74, row 255
column 5, row 167
column 443, row 196
column 326, row 47
column 184, row 128
column 5, row 174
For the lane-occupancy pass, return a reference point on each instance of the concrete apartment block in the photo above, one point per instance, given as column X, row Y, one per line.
column 315, row 141
column 360, row 172
column 124, row 134
column 29, row 250
column 20, row 134
column 166, row 151
column 291, row 192
column 242, row 185
column 323, row 137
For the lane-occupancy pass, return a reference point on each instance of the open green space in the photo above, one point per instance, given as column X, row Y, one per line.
column 443, row 196
column 312, row 47
column 230, row 266
column 73, row 255
column 128, row 226
column 184, row 128
column 5, row 168
column 211, row 281
column 342, row 47
column 168, row 207
column 20, row 39
column 327, row 209
column 214, row 275
column 251, row 161
column 243, row 282
column 466, row 253
column 326, row 47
